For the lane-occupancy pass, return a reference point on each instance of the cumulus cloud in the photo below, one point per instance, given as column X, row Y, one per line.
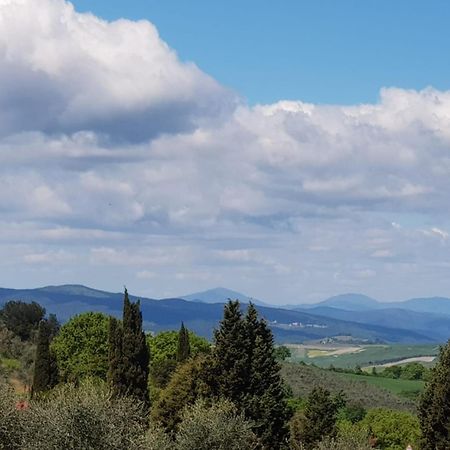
column 64, row 72
column 144, row 168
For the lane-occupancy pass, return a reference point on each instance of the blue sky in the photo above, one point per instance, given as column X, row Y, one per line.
column 288, row 150
column 324, row 51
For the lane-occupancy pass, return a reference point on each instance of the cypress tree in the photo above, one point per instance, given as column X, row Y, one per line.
column 129, row 355
column 115, row 360
column 434, row 408
column 45, row 374
column 184, row 347
column 267, row 406
column 319, row 418
column 230, row 355
column 248, row 374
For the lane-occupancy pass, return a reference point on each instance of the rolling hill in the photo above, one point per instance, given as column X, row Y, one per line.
column 287, row 325
column 360, row 302
column 348, row 302
column 221, row 295
column 436, row 326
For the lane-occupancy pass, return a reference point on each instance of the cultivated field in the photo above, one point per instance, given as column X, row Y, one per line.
column 404, row 388
column 359, row 389
column 350, row 356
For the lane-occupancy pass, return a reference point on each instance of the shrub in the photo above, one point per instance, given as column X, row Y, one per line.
column 81, row 347
column 22, row 318
column 393, row 430
column 83, row 418
column 10, row 425
column 190, row 382
column 217, row 427
column 317, row 420
column 357, row 441
column 157, row 439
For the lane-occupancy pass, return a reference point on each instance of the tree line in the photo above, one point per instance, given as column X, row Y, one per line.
column 177, row 390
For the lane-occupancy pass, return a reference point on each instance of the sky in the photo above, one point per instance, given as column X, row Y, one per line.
column 288, row 150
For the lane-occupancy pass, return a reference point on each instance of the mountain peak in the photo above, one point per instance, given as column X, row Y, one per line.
column 220, row 295
column 74, row 289
column 351, row 301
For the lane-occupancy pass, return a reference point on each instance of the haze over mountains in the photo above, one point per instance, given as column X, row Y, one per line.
column 339, row 317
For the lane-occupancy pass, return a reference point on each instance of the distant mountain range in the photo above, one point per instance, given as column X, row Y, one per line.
column 202, row 312
column 221, row 295
column 359, row 302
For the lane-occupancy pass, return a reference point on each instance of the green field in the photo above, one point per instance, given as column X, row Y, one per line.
column 407, row 388
column 361, row 355
column 367, row 391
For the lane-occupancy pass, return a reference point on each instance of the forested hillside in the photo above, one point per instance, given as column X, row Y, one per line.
column 159, row 315
column 101, row 382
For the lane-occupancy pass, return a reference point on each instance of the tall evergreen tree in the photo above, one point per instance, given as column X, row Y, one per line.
column 115, row 360
column 45, row 374
column 230, row 352
column 184, row 346
column 248, row 374
column 434, row 409
column 317, row 420
column 129, row 354
column 266, row 405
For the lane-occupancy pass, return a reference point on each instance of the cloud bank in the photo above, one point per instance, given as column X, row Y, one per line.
column 121, row 164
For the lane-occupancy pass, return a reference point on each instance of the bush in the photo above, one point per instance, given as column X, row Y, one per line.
column 190, row 382
column 393, row 430
column 357, row 441
column 83, row 418
column 157, row 439
column 22, row 318
column 317, row 420
column 217, row 427
column 81, row 347
column 10, row 424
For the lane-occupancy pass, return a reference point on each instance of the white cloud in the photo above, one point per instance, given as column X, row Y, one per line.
column 63, row 72
column 143, row 166
column 437, row 232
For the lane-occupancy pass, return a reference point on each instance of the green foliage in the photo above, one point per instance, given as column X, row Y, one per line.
column 45, row 375
column 81, row 347
column 22, row 318
column 218, row 427
column 318, row 419
column 10, row 345
column 183, row 345
column 164, row 345
column 230, row 355
column 53, row 326
column 434, row 409
column 191, row 381
column 349, row 438
column 10, row 364
column 83, row 418
column 205, row 426
column 163, row 350
column 399, row 386
column 248, row 373
column 410, row 371
column 16, row 356
column 135, row 356
column 358, row 389
column 10, row 423
column 393, row 430
column 160, row 373
column 368, row 355
column 282, row 352
column 157, row 439
column 115, row 358
column 352, row 413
